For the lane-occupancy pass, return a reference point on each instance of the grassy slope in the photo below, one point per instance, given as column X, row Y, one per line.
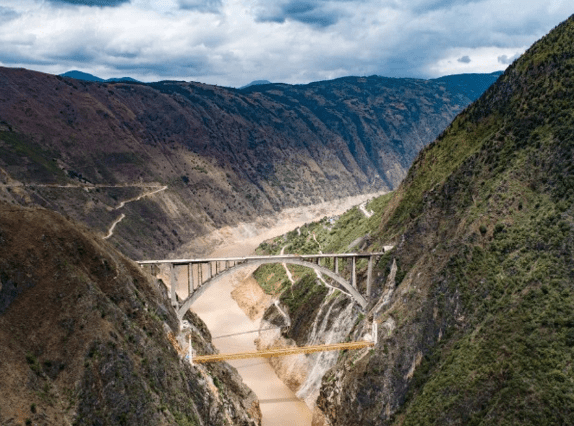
column 336, row 237
column 494, row 197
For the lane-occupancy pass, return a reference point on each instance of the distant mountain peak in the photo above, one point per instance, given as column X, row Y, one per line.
column 79, row 75
column 255, row 83
column 471, row 85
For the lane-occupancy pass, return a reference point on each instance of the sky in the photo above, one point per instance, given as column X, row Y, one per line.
column 233, row 42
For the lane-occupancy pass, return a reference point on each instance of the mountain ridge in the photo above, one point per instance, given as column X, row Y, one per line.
column 80, row 75
column 244, row 154
column 477, row 327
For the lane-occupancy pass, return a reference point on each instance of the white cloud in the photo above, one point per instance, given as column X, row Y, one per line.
column 231, row 42
column 484, row 60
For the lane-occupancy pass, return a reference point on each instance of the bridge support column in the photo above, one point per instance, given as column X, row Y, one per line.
column 354, row 273
column 369, row 278
column 172, row 285
column 336, row 265
column 210, row 270
column 199, row 274
column 190, row 286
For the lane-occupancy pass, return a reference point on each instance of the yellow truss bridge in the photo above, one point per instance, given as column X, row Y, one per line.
column 370, row 340
column 282, row 352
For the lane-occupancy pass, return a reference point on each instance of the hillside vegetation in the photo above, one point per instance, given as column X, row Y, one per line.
column 479, row 328
column 86, row 338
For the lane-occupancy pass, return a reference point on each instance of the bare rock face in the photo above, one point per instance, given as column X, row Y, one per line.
column 83, row 337
column 97, row 151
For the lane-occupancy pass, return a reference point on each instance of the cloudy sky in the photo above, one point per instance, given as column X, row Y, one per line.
column 232, row 42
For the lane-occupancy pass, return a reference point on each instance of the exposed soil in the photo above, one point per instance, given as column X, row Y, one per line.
column 246, row 237
column 251, row 298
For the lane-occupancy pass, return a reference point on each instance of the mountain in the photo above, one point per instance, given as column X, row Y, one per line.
column 470, row 85
column 255, row 83
column 225, row 156
column 474, row 303
column 86, row 337
column 122, row 79
column 79, row 75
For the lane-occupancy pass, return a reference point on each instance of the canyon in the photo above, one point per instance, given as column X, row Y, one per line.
column 472, row 302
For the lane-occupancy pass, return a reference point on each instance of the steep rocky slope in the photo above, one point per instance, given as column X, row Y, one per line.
column 85, row 337
column 225, row 155
column 474, row 303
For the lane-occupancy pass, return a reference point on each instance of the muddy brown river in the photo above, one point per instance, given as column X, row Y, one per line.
column 223, row 316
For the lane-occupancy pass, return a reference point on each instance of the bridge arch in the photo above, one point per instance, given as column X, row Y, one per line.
column 353, row 292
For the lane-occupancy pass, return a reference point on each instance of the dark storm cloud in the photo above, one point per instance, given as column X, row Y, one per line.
column 210, row 6
column 315, row 13
column 6, row 13
column 98, row 3
column 425, row 6
column 465, row 59
column 181, row 65
column 19, row 53
column 77, row 56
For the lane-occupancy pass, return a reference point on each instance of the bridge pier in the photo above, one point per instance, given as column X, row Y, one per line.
column 172, row 284
column 354, row 273
column 369, row 278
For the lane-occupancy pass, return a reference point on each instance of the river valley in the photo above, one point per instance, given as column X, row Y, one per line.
column 220, row 311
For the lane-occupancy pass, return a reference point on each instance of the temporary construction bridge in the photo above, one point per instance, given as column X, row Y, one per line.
column 370, row 340
column 281, row 352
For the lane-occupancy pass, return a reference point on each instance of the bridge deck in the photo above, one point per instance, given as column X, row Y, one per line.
column 279, row 258
column 282, row 351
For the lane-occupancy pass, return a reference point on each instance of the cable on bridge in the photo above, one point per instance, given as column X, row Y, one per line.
column 282, row 351
column 246, row 332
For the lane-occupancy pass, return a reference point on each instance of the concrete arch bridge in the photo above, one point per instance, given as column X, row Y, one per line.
column 203, row 273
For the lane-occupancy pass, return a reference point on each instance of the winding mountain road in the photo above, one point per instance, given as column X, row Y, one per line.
column 145, row 194
column 363, row 208
column 130, row 200
column 286, row 268
column 111, row 230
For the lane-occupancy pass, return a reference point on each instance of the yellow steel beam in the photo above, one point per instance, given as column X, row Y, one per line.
column 282, row 352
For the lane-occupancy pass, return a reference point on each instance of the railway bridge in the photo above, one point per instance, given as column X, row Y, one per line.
column 200, row 274
column 203, row 273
